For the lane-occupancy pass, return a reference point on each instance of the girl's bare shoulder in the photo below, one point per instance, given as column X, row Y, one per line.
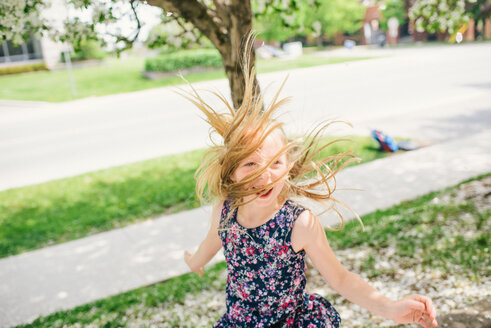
column 305, row 222
column 304, row 229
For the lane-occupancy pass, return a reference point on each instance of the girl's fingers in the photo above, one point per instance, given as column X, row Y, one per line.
column 422, row 322
column 429, row 311
column 428, row 319
column 431, row 320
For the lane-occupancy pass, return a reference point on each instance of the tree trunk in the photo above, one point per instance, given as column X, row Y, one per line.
column 227, row 26
column 232, row 58
column 237, row 16
column 235, row 76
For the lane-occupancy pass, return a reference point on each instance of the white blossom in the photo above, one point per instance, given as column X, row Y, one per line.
column 439, row 16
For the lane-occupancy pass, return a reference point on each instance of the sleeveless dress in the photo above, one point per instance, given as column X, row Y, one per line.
column 266, row 277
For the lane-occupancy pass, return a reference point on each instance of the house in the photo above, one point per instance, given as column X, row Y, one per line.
column 36, row 50
column 372, row 34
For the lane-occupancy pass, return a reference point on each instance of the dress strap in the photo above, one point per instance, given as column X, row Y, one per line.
column 294, row 211
column 225, row 214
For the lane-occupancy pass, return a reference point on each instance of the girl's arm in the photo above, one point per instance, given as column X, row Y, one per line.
column 309, row 235
column 208, row 247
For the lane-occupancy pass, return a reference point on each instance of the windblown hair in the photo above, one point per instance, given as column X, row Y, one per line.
column 243, row 131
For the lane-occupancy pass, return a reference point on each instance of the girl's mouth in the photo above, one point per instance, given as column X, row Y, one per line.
column 266, row 194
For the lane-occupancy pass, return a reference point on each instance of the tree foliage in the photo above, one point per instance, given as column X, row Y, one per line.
column 324, row 19
column 439, row 15
column 174, row 35
column 334, row 16
column 21, row 18
column 480, row 9
column 392, row 8
column 272, row 26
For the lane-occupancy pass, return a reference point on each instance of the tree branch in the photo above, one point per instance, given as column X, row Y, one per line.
column 205, row 19
column 128, row 42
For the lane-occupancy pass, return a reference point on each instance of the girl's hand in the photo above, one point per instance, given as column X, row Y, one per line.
column 187, row 258
column 414, row 309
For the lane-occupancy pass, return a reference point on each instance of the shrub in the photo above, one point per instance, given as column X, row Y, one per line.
column 86, row 49
column 183, row 59
column 22, row 68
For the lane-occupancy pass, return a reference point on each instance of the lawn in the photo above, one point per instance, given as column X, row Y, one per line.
column 62, row 210
column 123, row 75
column 437, row 245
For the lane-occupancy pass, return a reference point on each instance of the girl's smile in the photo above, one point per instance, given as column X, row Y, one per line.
column 266, row 195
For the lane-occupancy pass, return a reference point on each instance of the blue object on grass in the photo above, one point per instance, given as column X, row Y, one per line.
column 349, row 44
column 386, row 142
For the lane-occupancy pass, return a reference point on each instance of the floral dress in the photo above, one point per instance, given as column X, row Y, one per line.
column 266, row 277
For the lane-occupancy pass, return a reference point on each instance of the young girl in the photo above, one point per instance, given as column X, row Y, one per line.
column 265, row 235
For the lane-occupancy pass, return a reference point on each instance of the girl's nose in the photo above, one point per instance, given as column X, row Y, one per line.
column 265, row 177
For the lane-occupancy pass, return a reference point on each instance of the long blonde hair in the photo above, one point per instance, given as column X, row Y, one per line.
column 243, row 131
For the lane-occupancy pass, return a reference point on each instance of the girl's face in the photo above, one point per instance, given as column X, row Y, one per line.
column 271, row 147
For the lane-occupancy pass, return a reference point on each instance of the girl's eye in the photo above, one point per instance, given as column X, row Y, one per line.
column 277, row 162
column 250, row 164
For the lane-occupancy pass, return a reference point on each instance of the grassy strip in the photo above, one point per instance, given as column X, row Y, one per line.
column 124, row 75
column 57, row 211
column 418, row 230
column 412, row 228
column 307, row 60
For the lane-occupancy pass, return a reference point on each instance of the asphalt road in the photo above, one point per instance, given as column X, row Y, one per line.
column 430, row 93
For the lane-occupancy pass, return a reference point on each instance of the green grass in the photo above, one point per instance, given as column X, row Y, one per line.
column 307, row 60
column 414, row 228
column 418, row 230
column 123, row 75
column 58, row 211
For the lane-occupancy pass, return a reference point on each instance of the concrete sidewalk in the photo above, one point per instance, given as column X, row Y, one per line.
column 70, row 274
